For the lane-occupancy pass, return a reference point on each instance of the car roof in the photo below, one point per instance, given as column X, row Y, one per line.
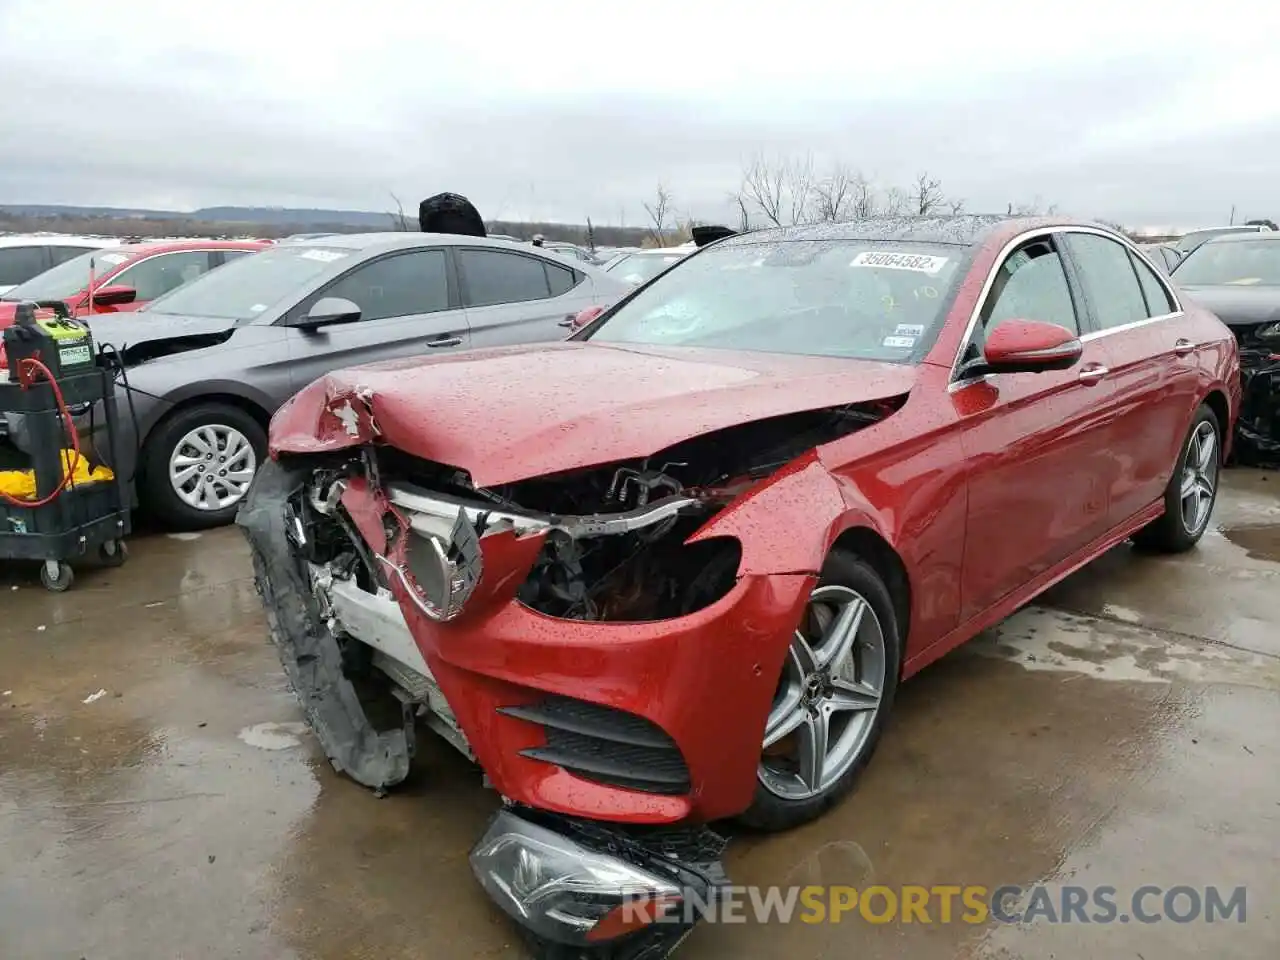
column 964, row 230
column 56, row 240
column 660, row 251
column 372, row 244
column 136, row 250
column 1270, row 236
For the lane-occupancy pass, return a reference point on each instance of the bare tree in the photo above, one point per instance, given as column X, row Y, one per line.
column 591, row 236
column 658, row 212
column 926, row 196
column 956, row 206
column 398, row 220
column 895, row 202
column 835, row 195
column 744, row 216
column 1035, row 208
column 764, row 186
column 800, row 184
column 863, row 204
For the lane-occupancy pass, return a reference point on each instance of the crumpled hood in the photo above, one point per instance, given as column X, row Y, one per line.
column 1237, row 305
column 120, row 329
column 514, row 413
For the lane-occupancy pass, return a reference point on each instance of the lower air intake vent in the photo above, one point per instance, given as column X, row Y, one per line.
column 606, row 745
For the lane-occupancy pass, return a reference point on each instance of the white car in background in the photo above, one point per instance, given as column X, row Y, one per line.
column 23, row 256
column 641, row 266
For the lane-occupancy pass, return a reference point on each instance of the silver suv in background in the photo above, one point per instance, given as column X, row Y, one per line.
column 208, row 364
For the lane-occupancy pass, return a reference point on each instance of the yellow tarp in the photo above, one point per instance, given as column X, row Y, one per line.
column 21, row 484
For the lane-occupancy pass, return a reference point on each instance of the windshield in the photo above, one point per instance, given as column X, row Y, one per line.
column 873, row 300
column 69, row 277
column 638, row 268
column 249, row 286
column 1239, row 262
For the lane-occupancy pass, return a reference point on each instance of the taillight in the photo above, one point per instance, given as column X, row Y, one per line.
column 585, row 317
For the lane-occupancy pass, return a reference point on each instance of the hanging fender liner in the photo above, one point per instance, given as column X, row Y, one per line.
column 308, row 649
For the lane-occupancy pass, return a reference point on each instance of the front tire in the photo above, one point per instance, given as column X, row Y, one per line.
column 197, row 465
column 833, row 699
column 1191, row 491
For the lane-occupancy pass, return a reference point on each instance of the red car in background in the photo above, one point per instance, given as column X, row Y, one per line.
column 124, row 278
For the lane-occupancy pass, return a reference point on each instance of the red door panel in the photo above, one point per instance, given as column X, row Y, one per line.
column 1036, row 444
column 1155, row 393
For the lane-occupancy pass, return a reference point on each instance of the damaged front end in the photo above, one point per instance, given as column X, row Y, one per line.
column 1257, row 439
column 595, row 640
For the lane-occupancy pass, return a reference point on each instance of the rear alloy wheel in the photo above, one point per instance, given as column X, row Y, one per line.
column 1191, row 492
column 837, row 686
column 197, row 465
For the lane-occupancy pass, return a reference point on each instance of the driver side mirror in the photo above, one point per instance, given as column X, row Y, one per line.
column 327, row 311
column 113, row 295
column 1027, row 346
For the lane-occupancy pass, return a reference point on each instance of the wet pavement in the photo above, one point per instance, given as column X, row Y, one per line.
column 159, row 799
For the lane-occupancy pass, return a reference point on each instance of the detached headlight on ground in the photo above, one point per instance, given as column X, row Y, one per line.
column 563, row 891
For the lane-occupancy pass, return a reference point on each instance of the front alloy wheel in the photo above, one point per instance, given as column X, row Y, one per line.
column 833, row 697
column 830, row 695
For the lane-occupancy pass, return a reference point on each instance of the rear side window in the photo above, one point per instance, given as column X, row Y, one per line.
column 561, row 279
column 1106, row 271
column 1153, row 291
column 398, row 286
column 61, row 254
column 492, row 276
column 20, row 264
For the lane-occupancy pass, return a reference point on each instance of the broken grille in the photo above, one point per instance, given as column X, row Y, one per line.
column 605, row 745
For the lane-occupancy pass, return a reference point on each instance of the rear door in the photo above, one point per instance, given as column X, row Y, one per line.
column 1150, row 351
column 408, row 306
column 20, row 264
column 519, row 298
column 1035, row 442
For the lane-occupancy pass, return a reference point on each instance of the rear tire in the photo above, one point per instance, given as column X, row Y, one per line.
column 1192, row 490
column 183, row 438
column 785, row 799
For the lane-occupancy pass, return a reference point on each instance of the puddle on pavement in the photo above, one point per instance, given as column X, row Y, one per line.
column 1261, row 542
column 1041, row 639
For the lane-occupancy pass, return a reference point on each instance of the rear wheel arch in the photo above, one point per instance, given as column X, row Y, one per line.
column 1216, row 401
column 870, row 546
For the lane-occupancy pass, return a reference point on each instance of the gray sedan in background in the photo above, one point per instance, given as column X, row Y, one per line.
column 208, row 364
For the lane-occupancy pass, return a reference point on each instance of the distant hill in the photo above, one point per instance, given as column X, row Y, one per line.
column 275, row 216
column 264, row 222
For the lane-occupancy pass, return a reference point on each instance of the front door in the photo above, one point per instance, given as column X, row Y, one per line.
column 406, row 309
column 1033, row 441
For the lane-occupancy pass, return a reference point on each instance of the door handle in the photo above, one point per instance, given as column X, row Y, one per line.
column 445, row 342
column 1093, row 374
column 567, row 321
column 1182, row 346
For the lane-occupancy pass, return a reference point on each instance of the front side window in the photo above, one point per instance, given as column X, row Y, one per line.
column 1109, row 280
column 640, row 268
column 401, row 285
column 1240, row 263
column 871, row 300
column 1031, row 284
column 156, row 276
column 19, row 264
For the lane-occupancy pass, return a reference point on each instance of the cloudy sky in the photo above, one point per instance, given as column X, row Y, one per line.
column 1142, row 111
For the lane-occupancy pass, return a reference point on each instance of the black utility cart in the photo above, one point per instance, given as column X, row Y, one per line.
column 54, row 375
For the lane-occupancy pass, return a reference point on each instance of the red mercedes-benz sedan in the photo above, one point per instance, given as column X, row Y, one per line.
column 673, row 569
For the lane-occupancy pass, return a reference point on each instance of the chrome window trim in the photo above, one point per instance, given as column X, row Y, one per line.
column 1036, row 234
